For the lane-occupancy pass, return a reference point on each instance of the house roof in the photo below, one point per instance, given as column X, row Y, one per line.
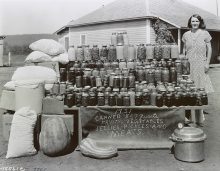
column 175, row 12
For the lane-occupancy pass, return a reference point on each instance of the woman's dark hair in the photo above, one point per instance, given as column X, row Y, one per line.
column 201, row 25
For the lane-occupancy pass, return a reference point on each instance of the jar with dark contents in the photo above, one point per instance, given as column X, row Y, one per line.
column 192, row 99
column 112, row 53
column 168, row 101
column 93, row 81
column 131, row 80
column 126, row 100
column 198, row 100
column 140, row 74
column 159, row 100
column 204, row 98
column 173, row 75
column 138, row 99
column 92, row 99
column 85, row 98
column 116, row 82
column 119, row 99
column 185, row 66
column 107, row 94
column 86, row 81
column 104, row 52
column 178, row 66
column 63, row 75
column 101, row 99
column 184, row 99
column 95, row 53
column 146, row 97
column 78, row 99
column 71, row 75
column 112, row 101
column 177, row 100
column 70, row 100
column 125, row 82
column 99, row 64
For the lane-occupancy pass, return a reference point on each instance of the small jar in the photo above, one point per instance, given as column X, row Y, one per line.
column 63, row 75
column 69, row 100
column 204, row 98
column 112, row 101
column 126, row 100
column 92, row 99
column 159, row 100
column 119, row 99
column 101, row 99
column 168, row 101
column 138, row 99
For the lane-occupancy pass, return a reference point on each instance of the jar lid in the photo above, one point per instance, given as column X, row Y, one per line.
column 190, row 134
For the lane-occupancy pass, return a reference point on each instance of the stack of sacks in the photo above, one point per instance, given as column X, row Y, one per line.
column 31, row 74
column 47, row 50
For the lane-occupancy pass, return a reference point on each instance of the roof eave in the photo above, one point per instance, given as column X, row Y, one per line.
column 110, row 21
column 61, row 29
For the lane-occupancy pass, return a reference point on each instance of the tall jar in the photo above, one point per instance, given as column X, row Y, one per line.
column 80, row 53
column 174, row 51
column 185, row 66
column 131, row 52
column 146, row 97
column 153, row 96
column 158, row 74
column 165, row 75
column 112, row 53
column 125, row 49
column 120, row 51
column 131, row 80
column 87, row 53
column 111, row 80
column 71, row 53
column 125, row 38
column 63, row 75
column 114, row 39
column 104, row 53
column 141, row 52
column 173, row 75
column 71, row 75
column 95, row 53
column 140, row 74
column 158, row 52
column 166, row 51
column 178, row 65
column 149, row 51
column 151, row 76
column 120, row 38
column 125, row 72
column 102, row 73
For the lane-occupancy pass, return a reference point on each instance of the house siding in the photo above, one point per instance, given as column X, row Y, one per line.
column 62, row 36
column 101, row 33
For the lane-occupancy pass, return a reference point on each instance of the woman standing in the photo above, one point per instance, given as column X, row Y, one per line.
column 198, row 50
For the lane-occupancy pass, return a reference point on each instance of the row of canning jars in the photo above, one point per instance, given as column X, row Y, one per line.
column 130, row 97
column 182, row 66
column 98, row 77
column 126, row 52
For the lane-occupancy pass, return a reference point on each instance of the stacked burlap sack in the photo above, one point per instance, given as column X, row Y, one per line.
column 47, row 50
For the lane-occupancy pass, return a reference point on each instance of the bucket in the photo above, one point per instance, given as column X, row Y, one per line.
column 29, row 94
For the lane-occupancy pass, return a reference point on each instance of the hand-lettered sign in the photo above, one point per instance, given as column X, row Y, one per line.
column 131, row 128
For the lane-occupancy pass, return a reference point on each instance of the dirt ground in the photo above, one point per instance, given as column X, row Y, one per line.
column 146, row 160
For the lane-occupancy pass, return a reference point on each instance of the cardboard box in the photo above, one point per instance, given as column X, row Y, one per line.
column 53, row 106
column 68, row 119
column 8, row 100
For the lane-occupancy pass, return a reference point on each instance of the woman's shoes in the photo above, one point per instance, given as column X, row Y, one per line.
column 89, row 148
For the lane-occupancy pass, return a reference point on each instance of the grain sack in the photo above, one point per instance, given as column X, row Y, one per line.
column 62, row 58
column 48, row 46
column 37, row 56
column 21, row 141
column 35, row 73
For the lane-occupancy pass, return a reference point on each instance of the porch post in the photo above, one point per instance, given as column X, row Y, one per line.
column 148, row 31
column 179, row 40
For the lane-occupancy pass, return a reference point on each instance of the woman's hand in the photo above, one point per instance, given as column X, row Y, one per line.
column 206, row 67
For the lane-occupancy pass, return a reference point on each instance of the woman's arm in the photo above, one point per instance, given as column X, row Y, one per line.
column 209, row 55
column 184, row 49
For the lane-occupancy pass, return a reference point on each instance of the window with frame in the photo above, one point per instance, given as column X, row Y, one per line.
column 83, row 39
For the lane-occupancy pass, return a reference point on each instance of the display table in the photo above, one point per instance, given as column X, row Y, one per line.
column 135, row 127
